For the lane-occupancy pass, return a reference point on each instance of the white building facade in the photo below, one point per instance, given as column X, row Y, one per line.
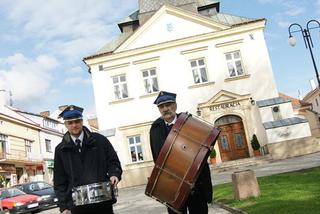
column 217, row 64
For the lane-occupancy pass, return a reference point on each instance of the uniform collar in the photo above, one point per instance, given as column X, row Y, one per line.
column 80, row 137
column 173, row 122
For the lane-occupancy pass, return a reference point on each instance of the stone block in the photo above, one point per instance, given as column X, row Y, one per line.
column 245, row 184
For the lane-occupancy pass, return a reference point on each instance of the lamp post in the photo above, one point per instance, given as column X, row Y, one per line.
column 10, row 94
column 307, row 41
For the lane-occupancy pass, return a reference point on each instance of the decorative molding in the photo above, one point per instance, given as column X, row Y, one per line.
column 194, row 50
column 149, row 95
column 200, row 85
column 121, row 101
column 93, row 60
column 238, row 41
column 116, row 66
column 146, row 60
column 134, row 126
column 245, row 76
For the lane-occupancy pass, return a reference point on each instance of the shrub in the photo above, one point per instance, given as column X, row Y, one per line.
column 255, row 143
column 213, row 153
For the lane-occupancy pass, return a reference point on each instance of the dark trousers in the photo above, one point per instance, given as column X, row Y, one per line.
column 195, row 204
column 98, row 208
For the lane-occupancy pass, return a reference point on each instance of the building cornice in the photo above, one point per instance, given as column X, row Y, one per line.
column 101, row 58
column 15, row 120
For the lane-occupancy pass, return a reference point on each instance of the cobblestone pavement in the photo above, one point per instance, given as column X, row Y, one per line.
column 133, row 201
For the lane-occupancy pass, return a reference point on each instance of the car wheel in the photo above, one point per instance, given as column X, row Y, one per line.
column 6, row 211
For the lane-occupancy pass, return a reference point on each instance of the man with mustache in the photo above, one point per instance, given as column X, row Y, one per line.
column 202, row 192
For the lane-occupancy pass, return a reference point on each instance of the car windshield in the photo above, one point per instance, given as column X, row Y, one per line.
column 12, row 192
column 38, row 186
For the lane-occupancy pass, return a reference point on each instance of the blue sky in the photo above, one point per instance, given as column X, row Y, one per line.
column 42, row 44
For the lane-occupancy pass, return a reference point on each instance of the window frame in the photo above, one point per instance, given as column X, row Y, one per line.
column 198, row 68
column 135, row 145
column 150, row 77
column 121, row 85
column 50, row 145
column 234, row 65
column 28, row 144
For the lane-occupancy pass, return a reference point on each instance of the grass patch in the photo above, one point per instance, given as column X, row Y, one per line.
column 293, row 192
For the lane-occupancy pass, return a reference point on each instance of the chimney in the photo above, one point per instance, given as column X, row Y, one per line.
column 45, row 113
column 61, row 108
column 148, row 7
column 312, row 84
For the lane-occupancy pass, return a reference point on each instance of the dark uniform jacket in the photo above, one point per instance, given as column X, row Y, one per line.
column 97, row 162
column 158, row 135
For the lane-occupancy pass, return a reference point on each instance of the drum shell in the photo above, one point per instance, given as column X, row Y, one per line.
column 92, row 193
column 180, row 160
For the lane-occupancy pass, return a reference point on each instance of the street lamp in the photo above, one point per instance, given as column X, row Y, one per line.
column 10, row 94
column 307, row 41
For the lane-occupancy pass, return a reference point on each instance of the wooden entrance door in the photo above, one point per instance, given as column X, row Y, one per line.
column 232, row 142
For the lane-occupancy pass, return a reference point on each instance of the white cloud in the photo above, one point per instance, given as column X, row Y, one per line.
column 70, row 29
column 76, row 81
column 284, row 24
column 75, row 70
column 28, row 79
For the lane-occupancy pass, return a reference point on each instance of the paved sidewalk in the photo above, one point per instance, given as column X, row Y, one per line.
column 274, row 167
column 134, row 201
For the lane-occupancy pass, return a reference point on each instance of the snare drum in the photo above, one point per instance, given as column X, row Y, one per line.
column 92, row 193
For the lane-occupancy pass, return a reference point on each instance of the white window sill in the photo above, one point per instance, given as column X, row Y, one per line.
column 121, row 101
column 245, row 76
column 203, row 84
column 153, row 94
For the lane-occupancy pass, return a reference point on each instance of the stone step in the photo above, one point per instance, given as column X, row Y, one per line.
column 235, row 164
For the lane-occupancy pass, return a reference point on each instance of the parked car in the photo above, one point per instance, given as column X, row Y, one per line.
column 14, row 200
column 42, row 189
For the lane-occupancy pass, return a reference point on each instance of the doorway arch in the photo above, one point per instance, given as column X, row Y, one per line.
column 232, row 139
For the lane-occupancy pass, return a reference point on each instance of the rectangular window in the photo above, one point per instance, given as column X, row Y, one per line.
column 3, row 145
column 48, row 145
column 234, row 64
column 199, row 71
column 135, row 149
column 28, row 146
column 150, row 80
column 120, row 87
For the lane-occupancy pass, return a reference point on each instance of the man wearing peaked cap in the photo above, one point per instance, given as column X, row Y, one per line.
column 165, row 97
column 71, row 112
column 83, row 158
column 160, row 129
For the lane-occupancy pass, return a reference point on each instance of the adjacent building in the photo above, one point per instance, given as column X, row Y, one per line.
column 50, row 135
column 20, row 159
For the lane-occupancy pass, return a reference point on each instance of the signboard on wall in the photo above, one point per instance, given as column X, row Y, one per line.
column 13, row 179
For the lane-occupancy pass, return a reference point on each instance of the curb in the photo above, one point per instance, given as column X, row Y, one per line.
column 230, row 209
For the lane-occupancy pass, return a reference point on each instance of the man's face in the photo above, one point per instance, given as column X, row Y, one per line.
column 74, row 126
column 168, row 111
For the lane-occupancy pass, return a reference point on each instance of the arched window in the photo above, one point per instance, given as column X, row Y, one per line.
column 227, row 119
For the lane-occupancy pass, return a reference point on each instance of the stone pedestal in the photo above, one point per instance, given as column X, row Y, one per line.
column 245, row 184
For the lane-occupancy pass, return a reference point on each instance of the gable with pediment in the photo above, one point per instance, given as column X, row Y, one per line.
column 224, row 97
column 169, row 24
